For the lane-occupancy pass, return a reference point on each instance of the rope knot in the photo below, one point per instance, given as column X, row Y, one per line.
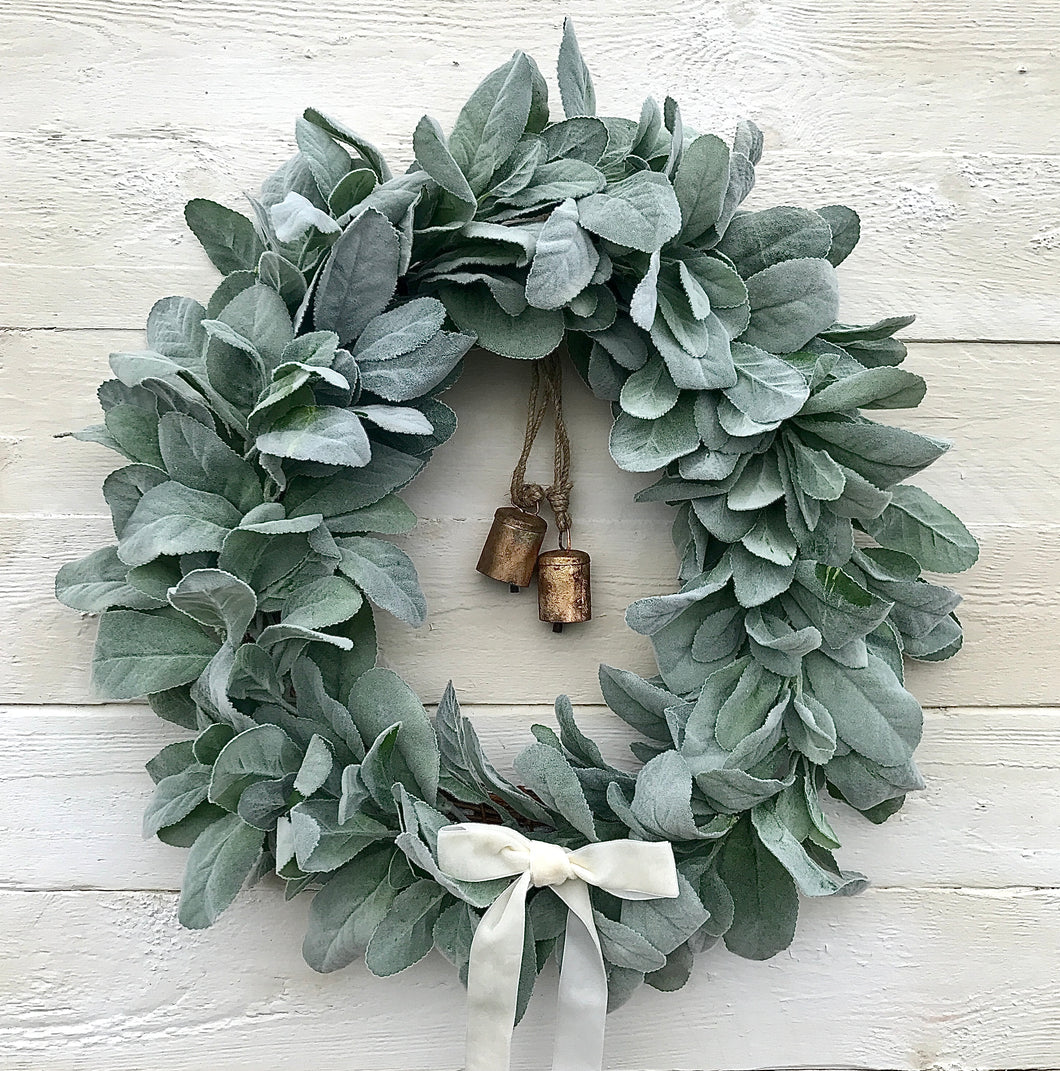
column 549, row 864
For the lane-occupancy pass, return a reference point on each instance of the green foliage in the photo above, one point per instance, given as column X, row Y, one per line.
column 267, row 436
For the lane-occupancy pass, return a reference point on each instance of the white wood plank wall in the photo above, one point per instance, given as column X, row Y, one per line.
column 936, row 119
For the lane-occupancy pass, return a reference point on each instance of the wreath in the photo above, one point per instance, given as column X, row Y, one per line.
column 268, row 434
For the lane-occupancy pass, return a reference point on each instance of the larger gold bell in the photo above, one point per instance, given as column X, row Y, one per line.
column 510, row 550
column 563, row 593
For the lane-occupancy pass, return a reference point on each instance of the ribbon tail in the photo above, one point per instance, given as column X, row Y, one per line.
column 582, row 1000
column 493, row 979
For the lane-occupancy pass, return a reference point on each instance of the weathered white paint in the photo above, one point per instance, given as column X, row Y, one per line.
column 937, row 121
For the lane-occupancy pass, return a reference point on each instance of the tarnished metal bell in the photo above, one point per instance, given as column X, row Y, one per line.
column 510, row 550
column 563, row 595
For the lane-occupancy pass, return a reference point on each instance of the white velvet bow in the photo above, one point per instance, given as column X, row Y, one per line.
column 630, row 869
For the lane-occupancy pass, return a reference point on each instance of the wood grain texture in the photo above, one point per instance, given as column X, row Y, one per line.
column 896, row 978
column 936, row 121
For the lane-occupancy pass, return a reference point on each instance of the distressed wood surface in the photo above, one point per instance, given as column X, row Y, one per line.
column 896, row 978
column 936, row 121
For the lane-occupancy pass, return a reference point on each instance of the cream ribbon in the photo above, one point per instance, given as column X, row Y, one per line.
column 630, row 869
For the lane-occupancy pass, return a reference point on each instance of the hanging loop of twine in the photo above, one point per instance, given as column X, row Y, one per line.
column 546, row 389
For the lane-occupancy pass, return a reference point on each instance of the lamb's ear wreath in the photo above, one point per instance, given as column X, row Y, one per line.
column 268, row 435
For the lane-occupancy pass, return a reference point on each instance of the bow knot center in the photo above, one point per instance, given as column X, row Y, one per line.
column 549, row 864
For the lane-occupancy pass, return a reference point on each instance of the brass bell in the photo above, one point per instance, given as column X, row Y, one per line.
column 563, row 595
column 510, row 550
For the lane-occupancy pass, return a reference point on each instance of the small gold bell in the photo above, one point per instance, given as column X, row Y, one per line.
column 563, row 595
column 510, row 551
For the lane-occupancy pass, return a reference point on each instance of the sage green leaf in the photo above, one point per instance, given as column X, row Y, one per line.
column 662, row 800
column 405, row 934
column 754, row 241
column 259, row 315
column 555, row 181
column 322, row 433
column 196, row 457
column 666, row 922
column 130, row 431
column 580, row 138
column 645, row 300
column 262, row 753
column 648, row 616
column 636, row 702
column 649, row 393
column 918, row 525
column 283, row 632
column 551, row 776
column 624, row 947
column 433, row 155
column 133, row 368
column 359, row 276
column 99, row 582
column 767, row 388
column 640, row 212
column 410, row 376
column 564, row 261
column 534, row 333
column 216, row 599
column 396, row 418
column 174, row 519
column 174, row 330
column 755, row 580
column 175, row 797
column 846, row 230
column 712, row 370
column 844, row 334
column 757, row 485
column 879, row 388
column 882, row 454
column 772, row 539
column 386, row 574
column 322, row 843
column 697, row 297
column 220, row 861
column 327, row 160
column 765, row 902
column 812, row 879
column 368, row 152
column 327, row 601
column 699, row 183
column 229, row 238
column 644, row 445
column 389, row 516
column 575, row 83
column 493, row 120
column 377, row 700
column 389, row 470
column 351, row 190
column 867, row 785
column 790, row 303
column 346, row 911
column 810, row 728
column 836, row 604
column 295, row 216
column 815, row 471
column 625, row 344
column 400, row 330
column 518, row 170
column 872, row 712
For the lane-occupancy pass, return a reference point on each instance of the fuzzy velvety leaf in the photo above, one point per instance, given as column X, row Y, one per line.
column 700, row 183
column 433, row 155
column 400, row 330
column 175, row 797
column 644, row 445
column 322, row 433
column 259, row 315
column 534, row 333
column 880, row 388
column 754, row 241
column 386, row 574
column 872, row 712
column 640, row 211
column 575, row 83
column 790, row 303
column 767, row 388
column 564, row 261
column 766, row 904
column 216, row 599
column 552, row 777
column 220, row 861
column 413, row 374
column 650, row 392
column 229, row 238
column 359, row 277
column 262, row 753
column 836, row 604
column 846, row 230
column 405, row 934
column 347, row 910
column 173, row 519
column 98, row 582
column 918, row 525
column 195, row 456
column 492, row 121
